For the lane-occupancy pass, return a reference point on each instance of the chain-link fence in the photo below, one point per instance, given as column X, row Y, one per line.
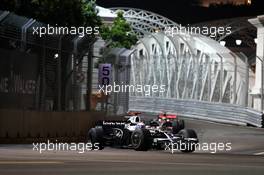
column 41, row 73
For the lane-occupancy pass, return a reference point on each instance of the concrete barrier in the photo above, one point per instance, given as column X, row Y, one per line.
column 16, row 124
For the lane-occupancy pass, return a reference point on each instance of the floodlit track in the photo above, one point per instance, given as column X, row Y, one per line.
column 246, row 157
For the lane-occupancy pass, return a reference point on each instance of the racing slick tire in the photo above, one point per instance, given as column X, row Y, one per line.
column 95, row 135
column 181, row 124
column 175, row 127
column 141, row 140
column 188, row 146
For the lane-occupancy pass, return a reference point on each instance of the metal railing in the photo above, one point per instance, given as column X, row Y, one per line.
column 59, row 61
column 218, row 112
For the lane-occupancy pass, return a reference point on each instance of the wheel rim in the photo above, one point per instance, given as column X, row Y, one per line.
column 136, row 139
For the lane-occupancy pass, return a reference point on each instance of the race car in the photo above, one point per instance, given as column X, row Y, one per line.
column 134, row 133
column 168, row 121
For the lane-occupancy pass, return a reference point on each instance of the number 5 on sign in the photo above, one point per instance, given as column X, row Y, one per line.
column 104, row 74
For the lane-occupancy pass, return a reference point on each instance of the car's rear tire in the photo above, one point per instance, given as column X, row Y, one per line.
column 181, row 124
column 188, row 146
column 141, row 140
column 95, row 135
column 175, row 127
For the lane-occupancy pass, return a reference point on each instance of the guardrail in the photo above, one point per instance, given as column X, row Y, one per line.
column 218, row 112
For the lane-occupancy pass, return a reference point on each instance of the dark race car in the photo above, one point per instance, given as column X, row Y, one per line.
column 142, row 136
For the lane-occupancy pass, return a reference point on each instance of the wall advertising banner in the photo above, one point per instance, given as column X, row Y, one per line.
column 18, row 79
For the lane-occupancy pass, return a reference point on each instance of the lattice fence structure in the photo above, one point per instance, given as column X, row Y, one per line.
column 57, row 64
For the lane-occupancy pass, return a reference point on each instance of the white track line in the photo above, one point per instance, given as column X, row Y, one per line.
column 260, row 153
column 29, row 162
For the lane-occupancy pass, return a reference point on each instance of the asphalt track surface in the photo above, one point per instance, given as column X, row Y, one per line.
column 246, row 157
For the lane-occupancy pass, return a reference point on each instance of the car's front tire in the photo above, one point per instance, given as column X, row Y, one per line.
column 141, row 140
column 95, row 136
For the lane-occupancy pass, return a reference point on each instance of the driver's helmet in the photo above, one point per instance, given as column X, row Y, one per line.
column 141, row 125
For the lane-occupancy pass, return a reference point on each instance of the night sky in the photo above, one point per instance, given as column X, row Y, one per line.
column 182, row 11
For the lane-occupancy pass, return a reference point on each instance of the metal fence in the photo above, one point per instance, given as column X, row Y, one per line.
column 219, row 112
column 59, row 61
